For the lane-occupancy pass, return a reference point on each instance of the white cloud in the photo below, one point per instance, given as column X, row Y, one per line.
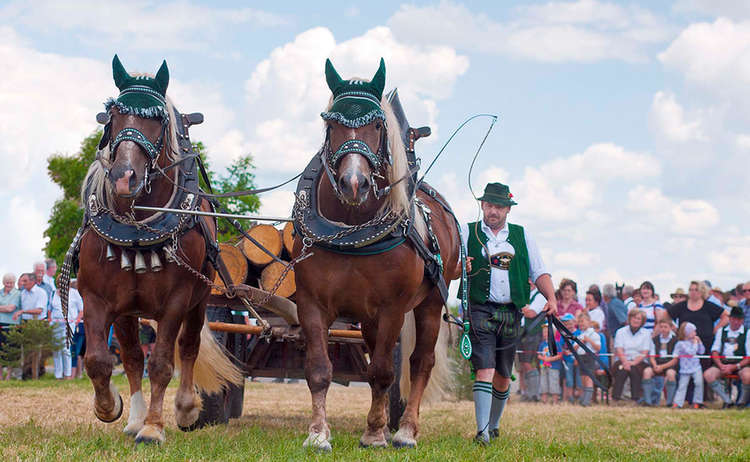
column 23, row 233
column 725, row 8
column 582, row 31
column 287, row 91
column 683, row 217
column 732, row 257
column 137, row 24
column 667, row 119
column 277, row 203
column 576, row 258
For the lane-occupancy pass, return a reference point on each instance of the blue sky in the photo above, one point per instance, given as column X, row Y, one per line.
column 623, row 125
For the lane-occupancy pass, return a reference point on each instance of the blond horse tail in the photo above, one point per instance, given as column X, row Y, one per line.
column 442, row 379
column 213, row 370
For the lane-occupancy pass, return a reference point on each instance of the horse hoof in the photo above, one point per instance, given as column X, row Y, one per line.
column 150, row 434
column 374, row 444
column 132, row 430
column 117, row 411
column 318, row 442
column 403, row 440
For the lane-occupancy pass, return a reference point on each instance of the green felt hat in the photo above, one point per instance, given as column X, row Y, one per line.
column 498, row 194
column 356, row 102
column 142, row 96
column 737, row 312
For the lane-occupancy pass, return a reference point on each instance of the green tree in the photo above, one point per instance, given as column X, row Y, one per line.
column 68, row 172
column 26, row 344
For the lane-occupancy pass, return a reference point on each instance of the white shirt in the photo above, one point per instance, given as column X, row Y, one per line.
column 629, row 304
column 49, row 280
column 537, row 301
column 499, row 280
column 730, row 349
column 32, row 299
column 597, row 314
column 663, row 344
column 591, row 335
column 75, row 306
column 633, row 345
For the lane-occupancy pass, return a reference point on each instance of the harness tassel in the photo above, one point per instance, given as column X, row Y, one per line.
column 156, row 265
column 111, row 253
column 140, row 263
column 125, row 263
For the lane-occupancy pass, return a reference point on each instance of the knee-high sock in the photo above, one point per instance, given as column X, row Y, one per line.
column 718, row 387
column 482, row 404
column 671, row 388
column 499, row 398
column 745, row 393
column 648, row 390
column 587, row 393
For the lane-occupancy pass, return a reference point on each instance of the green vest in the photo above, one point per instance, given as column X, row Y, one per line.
column 518, row 273
column 740, row 351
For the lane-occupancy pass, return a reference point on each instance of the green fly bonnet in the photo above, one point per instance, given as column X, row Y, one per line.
column 356, row 102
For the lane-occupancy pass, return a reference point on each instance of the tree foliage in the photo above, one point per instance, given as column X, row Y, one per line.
column 69, row 171
column 29, row 342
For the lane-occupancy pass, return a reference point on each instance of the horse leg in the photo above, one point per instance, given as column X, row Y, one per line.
column 187, row 402
column 107, row 401
column 318, row 372
column 427, row 321
column 126, row 329
column 160, row 369
column 380, row 376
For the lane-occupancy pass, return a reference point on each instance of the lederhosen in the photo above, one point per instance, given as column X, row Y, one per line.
column 496, row 327
column 669, row 347
column 739, row 342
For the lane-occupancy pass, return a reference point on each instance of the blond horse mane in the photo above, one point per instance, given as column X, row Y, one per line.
column 97, row 173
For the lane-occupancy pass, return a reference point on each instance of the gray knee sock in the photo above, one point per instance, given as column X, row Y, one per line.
column 499, row 398
column 671, row 388
column 745, row 393
column 482, row 404
column 648, row 390
column 588, row 392
column 718, row 387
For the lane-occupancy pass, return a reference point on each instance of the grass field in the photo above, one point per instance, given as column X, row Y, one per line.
column 50, row 420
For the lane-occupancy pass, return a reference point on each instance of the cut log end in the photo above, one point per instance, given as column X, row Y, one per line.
column 268, row 236
column 271, row 275
column 287, row 235
column 235, row 263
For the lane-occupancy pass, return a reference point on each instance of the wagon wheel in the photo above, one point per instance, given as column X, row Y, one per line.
column 396, row 405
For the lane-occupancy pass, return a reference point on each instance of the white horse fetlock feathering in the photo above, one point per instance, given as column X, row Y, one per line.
column 137, row 414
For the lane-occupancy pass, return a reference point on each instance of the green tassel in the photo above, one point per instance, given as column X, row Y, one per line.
column 465, row 344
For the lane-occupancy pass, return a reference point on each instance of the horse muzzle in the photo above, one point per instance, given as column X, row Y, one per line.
column 354, row 188
column 125, row 181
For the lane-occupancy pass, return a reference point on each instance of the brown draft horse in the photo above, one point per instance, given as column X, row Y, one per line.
column 378, row 290
column 172, row 297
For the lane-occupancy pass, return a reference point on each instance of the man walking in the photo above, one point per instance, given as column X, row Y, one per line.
column 502, row 258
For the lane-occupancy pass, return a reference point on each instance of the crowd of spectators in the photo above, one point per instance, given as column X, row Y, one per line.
column 34, row 295
column 687, row 351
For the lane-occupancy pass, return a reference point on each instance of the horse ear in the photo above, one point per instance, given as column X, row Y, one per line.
column 378, row 80
column 162, row 76
column 119, row 73
column 332, row 77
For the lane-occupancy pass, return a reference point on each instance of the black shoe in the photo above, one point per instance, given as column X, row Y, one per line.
column 727, row 405
column 482, row 439
column 494, row 433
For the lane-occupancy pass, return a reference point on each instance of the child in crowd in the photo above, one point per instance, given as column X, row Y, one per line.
column 572, row 386
column 551, row 366
column 601, row 374
column 688, row 346
column 587, row 362
column 662, row 365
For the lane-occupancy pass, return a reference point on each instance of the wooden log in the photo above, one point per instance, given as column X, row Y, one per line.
column 271, row 275
column 236, row 264
column 287, row 235
column 256, row 330
column 266, row 235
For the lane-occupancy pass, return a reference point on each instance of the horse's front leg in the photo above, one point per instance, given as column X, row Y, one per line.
column 318, row 370
column 160, row 369
column 427, row 322
column 381, row 340
column 187, row 402
column 126, row 330
column 96, row 321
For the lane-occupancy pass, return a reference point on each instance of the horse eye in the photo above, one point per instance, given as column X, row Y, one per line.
column 378, row 125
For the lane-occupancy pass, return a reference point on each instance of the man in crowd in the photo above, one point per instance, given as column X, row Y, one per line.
column 617, row 314
column 40, row 270
column 502, row 258
column 34, row 299
column 730, row 344
column 49, row 273
column 745, row 303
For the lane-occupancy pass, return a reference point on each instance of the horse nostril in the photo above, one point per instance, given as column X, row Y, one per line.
column 131, row 180
column 343, row 183
column 363, row 182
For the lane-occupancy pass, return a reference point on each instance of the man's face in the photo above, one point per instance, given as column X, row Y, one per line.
column 39, row 272
column 52, row 270
column 494, row 215
column 746, row 291
column 735, row 323
column 663, row 328
column 28, row 284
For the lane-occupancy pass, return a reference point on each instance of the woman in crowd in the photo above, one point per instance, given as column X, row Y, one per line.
column 593, row 307
column 688, row 346
column 10, row 303
column 702, row 313
column 663, row 365
column 650, row 306
column 632, row 344
column 568, row 299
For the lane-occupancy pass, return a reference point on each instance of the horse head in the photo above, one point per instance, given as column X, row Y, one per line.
column 137, row 131
column 356, row 150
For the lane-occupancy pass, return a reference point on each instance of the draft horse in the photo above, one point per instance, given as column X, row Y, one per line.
column 361, row 189
column 144, row 159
